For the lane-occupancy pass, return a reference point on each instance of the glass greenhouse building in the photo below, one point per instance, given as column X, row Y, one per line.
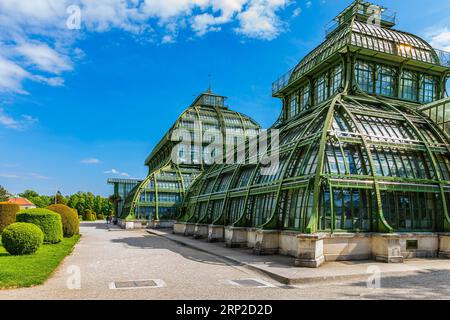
column 173, row 165
column 364, row 154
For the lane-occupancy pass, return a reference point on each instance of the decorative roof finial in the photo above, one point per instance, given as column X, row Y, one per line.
column 209, row 84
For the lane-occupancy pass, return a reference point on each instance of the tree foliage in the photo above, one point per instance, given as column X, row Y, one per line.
column 4, row 195
column 81, row 201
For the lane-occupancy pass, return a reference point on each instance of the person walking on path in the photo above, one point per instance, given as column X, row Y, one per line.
column 107, row 219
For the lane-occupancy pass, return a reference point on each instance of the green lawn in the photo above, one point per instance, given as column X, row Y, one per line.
column 26, row 271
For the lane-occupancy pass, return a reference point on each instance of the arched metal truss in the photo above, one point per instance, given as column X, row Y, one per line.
column 158, row 196
column 354, row 163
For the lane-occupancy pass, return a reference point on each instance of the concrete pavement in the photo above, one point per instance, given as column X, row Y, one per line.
column 105, row 256
column 282, row 269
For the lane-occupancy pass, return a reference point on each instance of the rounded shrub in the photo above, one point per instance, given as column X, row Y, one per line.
column 69, row 219
column 49, row 222
column 89, row 215
column 80, row 217
column 100, row 216
column 22, row 238
column 7, row 214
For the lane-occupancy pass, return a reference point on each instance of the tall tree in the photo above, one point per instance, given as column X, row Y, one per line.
column 60, row 199
column 29, row 194
column 4, row 195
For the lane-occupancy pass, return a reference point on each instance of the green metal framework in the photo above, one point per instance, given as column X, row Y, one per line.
column 439, row 113
column 122, row 187
column 172, row 168
column 364, row 142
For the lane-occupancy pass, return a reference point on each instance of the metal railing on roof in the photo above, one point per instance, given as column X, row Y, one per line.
column 444, row 57
column 386, row 16
column 282, row 82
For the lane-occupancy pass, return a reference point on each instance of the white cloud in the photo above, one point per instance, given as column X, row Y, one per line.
column 9, row 175
column 36, row 176
column 17, row 124
column 296, row 12
column 260, row 19
column 440, row 39
column 11, row 76
column 168, row 39
column 37, row 45
column 117, row 173
column 44, row 58
column 90, row 161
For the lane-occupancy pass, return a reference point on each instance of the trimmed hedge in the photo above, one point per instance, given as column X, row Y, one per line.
column 100, row 217
column 22, row 238
column 49, row 222
column 89, row 215
column 7, row 214
column 69, row 219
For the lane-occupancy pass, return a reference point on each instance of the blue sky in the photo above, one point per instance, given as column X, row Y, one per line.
column 78, row 106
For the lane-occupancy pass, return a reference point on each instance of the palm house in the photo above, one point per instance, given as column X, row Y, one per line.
column 364, row 156
column 173, row 166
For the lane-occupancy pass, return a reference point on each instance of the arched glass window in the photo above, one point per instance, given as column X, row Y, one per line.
column 321, row 89
column 385, row 81
column 408, row 85
column 304, row 98
column 293, row 105
column 336, row 79
column 364, row 76
column 409, row 210
column 427, row 89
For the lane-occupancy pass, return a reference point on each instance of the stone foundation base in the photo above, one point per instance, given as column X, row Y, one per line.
column 312, row 250
column 190, row 229
column 179, row 228
column 267, row 242
column 386, row 248
column 132, row 224
column 215, row 233
column 200, row 231
column 235, row 237
column 444, row 245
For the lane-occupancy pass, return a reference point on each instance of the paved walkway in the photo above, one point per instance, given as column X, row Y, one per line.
column 282, row 269
column 104, row 256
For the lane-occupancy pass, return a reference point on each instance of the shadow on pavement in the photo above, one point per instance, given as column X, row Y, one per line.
column 99, row 225
column 424, row 284
column 141, row 241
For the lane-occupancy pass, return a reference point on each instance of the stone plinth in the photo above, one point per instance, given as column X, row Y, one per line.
column 200, row 231
column 190, row 229
column 179, row 228
column 444, row 245
column 427, row 245
column 347, row 246
column 132, row 224
column 235, row 237
column 387, row 248
column 267, row 242
column 215, row 233
column 310, row 250
column 165, row 224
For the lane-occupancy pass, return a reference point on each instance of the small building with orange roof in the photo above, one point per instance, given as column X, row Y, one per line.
column 23, row 203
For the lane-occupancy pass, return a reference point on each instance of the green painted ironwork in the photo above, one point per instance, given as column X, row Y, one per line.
column 373, row 144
